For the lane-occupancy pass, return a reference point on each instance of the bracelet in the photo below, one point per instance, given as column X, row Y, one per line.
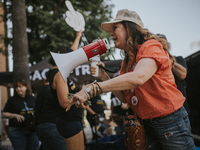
column 87, row 91
column 97, row 90
column 87, row 95
column 94, row 90
column 99, row 86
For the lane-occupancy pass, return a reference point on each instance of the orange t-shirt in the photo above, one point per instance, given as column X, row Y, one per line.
column 158, row 96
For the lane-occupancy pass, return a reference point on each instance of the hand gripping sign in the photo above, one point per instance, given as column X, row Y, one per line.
column 75, row 20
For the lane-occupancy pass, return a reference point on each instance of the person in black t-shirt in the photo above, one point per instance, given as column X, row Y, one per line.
column 68, row 122
column 179, row 68
column 18, row 109
column 118, row 110
column 95, row 113
column 45, row 113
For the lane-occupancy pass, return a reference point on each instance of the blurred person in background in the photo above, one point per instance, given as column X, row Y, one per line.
column 118, row 111
column 95, row 113
column 68, row 122
column 179, row 68
column 18, row 109
column 45, row 115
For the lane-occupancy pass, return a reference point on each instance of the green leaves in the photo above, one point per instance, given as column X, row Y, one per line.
column 48, row 28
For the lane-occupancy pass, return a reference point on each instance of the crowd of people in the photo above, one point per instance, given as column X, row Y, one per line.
column 150, row 83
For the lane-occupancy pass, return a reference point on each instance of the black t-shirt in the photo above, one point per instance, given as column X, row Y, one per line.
column 181, row 85
column 18, row 105
column 74, row 114
column 45, row 110
column 117, row 109
column 97, row 105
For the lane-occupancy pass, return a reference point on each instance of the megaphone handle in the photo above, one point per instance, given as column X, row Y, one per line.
column 83, row 39
column 94, row 63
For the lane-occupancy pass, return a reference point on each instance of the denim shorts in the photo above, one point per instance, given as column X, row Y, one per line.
column 68, row 129
column 172, row 132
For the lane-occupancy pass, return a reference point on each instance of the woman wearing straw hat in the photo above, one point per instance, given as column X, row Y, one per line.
column 145, row 83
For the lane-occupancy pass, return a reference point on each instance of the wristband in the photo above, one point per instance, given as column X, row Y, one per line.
column 99, row 86
column 87, row 91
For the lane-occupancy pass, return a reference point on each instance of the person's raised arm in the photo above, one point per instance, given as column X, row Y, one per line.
column 76, row 41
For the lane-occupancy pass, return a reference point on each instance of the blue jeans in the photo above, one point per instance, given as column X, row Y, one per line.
column 172, row 132
column 50, row 137
column 22, row 139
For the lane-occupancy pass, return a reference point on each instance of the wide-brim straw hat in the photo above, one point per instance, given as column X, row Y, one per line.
column 122, row 15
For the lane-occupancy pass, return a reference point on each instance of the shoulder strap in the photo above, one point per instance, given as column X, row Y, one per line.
column 135, row 113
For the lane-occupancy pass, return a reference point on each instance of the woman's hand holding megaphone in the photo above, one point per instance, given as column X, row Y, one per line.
column 102, row 73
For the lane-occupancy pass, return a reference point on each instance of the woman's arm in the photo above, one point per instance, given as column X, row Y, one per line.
column 90, row 110
column 179, row 71
column 8, row 115
column 120, row 96
column 143, row 71
column 76, row 41
column 62, row 90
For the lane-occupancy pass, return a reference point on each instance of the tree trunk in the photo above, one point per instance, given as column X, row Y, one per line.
column 5, row 41
column 20, row 42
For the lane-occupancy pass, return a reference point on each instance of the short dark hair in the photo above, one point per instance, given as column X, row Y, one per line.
column 61, row 50
column 161, row 36
column 24, row 83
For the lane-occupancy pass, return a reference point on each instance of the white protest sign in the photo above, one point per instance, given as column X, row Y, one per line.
column 73, row 18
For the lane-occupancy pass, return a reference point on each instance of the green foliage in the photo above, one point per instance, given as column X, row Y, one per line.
column 47, row 29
